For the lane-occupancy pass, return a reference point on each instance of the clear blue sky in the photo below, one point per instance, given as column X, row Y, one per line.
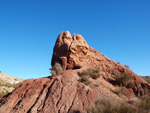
column 119, row 29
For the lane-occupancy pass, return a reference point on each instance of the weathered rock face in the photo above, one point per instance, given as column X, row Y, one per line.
column 57, row 94
column 68, row 50
column 74, row 53
column 65, row 93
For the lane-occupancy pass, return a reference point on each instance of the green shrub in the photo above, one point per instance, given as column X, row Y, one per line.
column 145, row 103
column 120, row 91
column 85, row 80
column 148, row 81
column 134, row 101
column 0, row 72
column 88, row 73
column 126, row 66
column 8, row 85
column 129, row 84
column 122, row 79
column 93, row 73
column 142, row 104
column 104, row 106
column 123, row 108
column 15, row 86
column 3, row 93
column 56, row 69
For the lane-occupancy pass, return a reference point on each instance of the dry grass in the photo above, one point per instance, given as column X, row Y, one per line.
column 122, row 79
column 134, row 101
column 145, row 103
column 142, row 104
column 85, row 80
column 134, row 105
column 56, row 69
column 89, row 73
column 105, row 106
column 120, row 91
column 147, row 78
column 93, row 73
column 3, row 93
column 126, row 66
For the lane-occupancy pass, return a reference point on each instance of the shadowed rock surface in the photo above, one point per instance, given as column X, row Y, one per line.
column 65, row 93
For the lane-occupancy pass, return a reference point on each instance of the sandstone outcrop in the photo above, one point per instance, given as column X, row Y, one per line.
column 72, row 52
column 57, row 94
column 65, row 93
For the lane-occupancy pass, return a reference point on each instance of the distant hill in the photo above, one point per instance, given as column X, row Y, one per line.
column 147, row 78
column 8, row 83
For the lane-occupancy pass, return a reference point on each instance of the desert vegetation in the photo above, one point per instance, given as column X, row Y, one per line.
column 148, row 81
column 144, row 103
column 123, row 80
column 7, row 86
column 136, row 105
column 106, row 106
column 147, row 78
column 89, row 73
column 3, row 93
column 126, row 66
column 120, row 91
column 141, row 103
column 56, row 69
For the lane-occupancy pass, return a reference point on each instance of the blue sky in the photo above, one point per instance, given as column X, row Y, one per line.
column 119, row 29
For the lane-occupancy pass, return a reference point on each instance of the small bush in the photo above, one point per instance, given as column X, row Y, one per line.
column 3, row 93
column 134, row 101
column 123, row 108
column 129, row 84
column 8, row 85
column 104, row 106
column 120, row 91
column 89, row 73
column 145, row 103
column 56, row 69
column 1, row 84
column 15, row 86
column 122, row 79
column 85, row 80
column 93, row 73
column 126, row 66
column 142, row 104
column 148, row 81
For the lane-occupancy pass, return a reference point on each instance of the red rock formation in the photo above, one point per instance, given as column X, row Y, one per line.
column 58, row 94
column 76, row 54
column 65, row 93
